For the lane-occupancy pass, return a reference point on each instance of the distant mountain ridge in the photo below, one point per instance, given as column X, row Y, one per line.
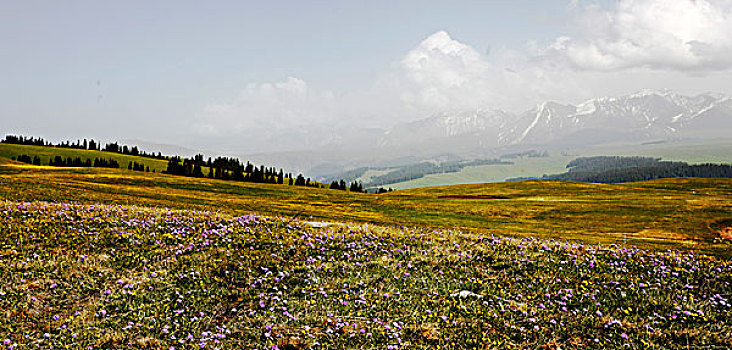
column 483, row 133
column 648, row 114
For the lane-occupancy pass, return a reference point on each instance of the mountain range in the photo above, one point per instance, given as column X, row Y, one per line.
column 644, row 116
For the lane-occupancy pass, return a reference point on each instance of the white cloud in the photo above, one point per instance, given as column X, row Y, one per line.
column 262, row 106
column 437, row 75
column 656, row 34
column 636, row 44
column 442, row 73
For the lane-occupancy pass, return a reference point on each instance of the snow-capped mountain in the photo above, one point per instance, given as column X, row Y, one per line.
column 484, row 123
column 648, row 114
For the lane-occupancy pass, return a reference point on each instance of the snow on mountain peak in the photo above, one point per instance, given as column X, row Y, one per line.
column 587, row 107
column 647, row 114
column 651, row 92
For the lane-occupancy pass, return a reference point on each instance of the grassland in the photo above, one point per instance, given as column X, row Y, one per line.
column 110, row 258
column 99, row 276
column 690, row 151
column 674, row 213
column 46, row 153
column 522, row 167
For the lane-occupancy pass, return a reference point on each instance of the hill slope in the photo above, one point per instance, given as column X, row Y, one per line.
column 692, row 151
column 108, row 277
column 659, row 214
column 46, row 153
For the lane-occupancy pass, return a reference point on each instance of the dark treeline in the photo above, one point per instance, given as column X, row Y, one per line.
column 135, row 166
column 92, row 145
column 78, row 162
column 222, row 168
column 380, row 190
column 23, row 140
column 605, row 163
column 341, row 185
column 69, row 162
column 24, row 158
column 225, row 168
column 132, row 151
column 630, row 169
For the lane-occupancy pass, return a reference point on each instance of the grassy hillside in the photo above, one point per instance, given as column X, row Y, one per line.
column 522, row 167
column 660, row 214
column 692, row 152
column 46, row 153
column 126, row 277
column 110, row 258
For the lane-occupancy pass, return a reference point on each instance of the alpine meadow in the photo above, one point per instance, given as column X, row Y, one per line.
column 384, row 175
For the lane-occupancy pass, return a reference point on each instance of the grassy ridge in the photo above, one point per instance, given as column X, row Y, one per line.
column 8, row 151
column 46, row 153
column 663, row 214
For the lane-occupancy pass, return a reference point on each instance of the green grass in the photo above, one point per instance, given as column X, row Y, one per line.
column 46, row 153
column 692, row 152
column 522, row 167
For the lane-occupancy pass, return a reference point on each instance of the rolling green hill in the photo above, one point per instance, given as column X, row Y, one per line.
column 46, row 153
column 690, row 151
column 522, row 167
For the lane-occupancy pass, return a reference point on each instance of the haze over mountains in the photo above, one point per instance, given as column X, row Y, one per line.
column 644, row 116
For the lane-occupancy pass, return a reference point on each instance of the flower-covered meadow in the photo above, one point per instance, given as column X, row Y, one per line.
column 86, row 276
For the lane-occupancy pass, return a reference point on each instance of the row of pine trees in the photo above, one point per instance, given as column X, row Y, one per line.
column 341, row 185
column 70, row 162
column 222, row 168
column 91, row 145
column 615, row 169
column 225, row 168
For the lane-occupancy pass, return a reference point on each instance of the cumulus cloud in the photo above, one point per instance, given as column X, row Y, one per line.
column 261, row 106
column 655, row 34
column 644, row 43
column 439, row 74
column 442, row 73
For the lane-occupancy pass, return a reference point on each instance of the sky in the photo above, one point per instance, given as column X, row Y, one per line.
column 189, row 72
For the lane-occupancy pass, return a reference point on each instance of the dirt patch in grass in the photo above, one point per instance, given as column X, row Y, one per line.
column 479, row 196
column 723, row 227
